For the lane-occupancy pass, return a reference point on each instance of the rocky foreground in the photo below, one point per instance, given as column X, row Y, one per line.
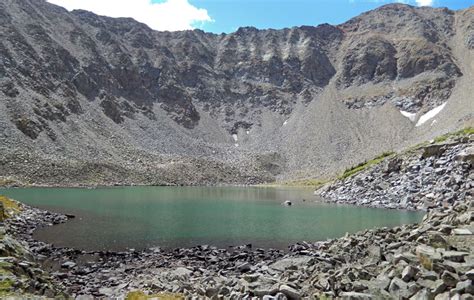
column 431, row 260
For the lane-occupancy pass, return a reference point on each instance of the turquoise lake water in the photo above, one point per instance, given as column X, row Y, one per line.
column 139, row 217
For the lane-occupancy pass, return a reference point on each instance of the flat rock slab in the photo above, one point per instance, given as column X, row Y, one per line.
column 456, row 256
column 356, row 296
column 291, row 263
column 462, row 231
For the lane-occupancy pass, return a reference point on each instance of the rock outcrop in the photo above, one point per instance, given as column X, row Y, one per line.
column 431, row 175
column 21, row 275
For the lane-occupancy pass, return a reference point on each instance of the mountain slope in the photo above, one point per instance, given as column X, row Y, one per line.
column 88, row 99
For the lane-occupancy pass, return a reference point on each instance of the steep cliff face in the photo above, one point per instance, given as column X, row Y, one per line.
column 121, row 102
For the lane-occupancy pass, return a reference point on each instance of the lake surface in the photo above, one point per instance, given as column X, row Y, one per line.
column 168, row 217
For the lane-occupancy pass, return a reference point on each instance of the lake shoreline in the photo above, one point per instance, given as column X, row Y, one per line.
column 142, row 217
column 233, row 266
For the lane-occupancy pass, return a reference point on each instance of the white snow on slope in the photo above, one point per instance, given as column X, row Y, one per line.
column 235, row 137
column 409, row 115
column 431, row 114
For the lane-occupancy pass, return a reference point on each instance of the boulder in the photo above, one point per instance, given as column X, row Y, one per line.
column 68, row 265
column 244, row 267
column 450, row 279
column 466, row 155
column 409, row 273
column 356, row 296
column 462, row 287
column 399, row 288
column 470, row 274
column 290, row 292
column 292, row 263
column 461, row 231
column 433, row 150
column 455, row 256
column 424, row 294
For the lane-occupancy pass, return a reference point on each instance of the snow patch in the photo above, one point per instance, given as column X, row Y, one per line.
column 234, row 136
column 286, row 122
column 248, row 131
column 236, row 145
column 431, row 114
column 409, row 115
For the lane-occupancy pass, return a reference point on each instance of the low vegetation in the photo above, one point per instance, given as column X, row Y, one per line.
column 462, row 132
column 139, row 295
column 309, row 182
column 364, row 165
column 442, row 138
column 10, row 207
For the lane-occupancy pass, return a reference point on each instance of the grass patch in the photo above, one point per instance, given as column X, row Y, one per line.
column 139, row 295
column 443, row 138
column 6, row 286
column 463, row 132
column 10, row 207
column 364, row 165
column 426, row 262
column 303, row 182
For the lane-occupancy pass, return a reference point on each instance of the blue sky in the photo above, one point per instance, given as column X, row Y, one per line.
column 228, row 15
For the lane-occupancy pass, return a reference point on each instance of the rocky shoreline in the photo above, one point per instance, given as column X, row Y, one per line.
column 424, row 261
column 432, row 175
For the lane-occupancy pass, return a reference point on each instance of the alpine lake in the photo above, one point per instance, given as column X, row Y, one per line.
column 121, row 218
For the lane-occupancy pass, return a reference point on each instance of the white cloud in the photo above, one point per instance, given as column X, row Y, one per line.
column 169, row 15
column 424, row 2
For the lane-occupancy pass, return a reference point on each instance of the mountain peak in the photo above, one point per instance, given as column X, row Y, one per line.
column 220, row 102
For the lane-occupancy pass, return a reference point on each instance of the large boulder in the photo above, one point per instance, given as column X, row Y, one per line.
column 467, row 155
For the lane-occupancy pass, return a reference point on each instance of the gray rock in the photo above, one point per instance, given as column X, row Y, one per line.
column 443, row 296
column 467, row 297
column 409, row 273
column 449, row 279
column 399, row 288
column 465, row 286
column 356, row 296
column 278, row 296
column 456, row 256
column 291, row 263
column 439, row 287
column 429, row 275
column 290, row 292
column 470, row 274
column 424, row 294
column 245, row 267
column 461, row 231
column 68, row 265
column 466, row 155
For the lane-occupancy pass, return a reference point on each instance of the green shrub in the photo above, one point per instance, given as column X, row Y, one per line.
column 364, row 165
